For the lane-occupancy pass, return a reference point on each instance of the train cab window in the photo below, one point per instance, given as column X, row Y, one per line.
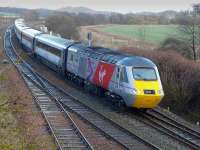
column 71, row 57
column 123, row 75
column 76, row 58
column 118, row 73
column 144, row 74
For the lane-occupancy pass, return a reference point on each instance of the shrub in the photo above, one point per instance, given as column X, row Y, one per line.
column 177, row 45
column 2, row 77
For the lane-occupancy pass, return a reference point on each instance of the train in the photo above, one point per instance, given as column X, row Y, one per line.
column 132, row 81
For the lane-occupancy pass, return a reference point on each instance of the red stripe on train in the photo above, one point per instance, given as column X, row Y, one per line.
column 103, row 74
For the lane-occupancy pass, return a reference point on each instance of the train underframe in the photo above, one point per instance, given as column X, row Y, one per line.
column 94, row 89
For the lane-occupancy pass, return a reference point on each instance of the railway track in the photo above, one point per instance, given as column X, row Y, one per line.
column 170, row 120
column 189, row 135
column 67, row 102
column 65, row 131
column 100, row 122
column 62, row 126
column 172, row 128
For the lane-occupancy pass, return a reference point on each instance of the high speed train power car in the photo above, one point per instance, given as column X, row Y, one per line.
column 130, row 80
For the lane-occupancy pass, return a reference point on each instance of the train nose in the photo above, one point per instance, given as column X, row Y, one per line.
column 146, row 101
column 148, row 94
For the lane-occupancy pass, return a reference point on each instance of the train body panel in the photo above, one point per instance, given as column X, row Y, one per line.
column 18, row 34
column 73, row 60
column 132, row 80
column 52, row 49
column 91, row 65
column 80, row 64
column 27, row 45
column 120, row 83
column 48, row 56
column 19, row 27
column 27, row 38
column 90, row 69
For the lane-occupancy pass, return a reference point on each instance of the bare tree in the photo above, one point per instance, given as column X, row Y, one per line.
column 63, row 25
column 190, row 27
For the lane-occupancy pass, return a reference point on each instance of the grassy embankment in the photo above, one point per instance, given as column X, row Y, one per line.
column 155, row 34
column 21, row 124
column 141, row 37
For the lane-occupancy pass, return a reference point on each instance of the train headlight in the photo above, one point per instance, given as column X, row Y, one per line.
column 135, row 91
column 160, row 92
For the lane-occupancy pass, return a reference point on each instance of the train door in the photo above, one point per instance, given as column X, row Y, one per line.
column 117, row 79
column 33, row 45
column 123, row 80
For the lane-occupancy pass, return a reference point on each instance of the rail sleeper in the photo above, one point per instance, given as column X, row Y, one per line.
column 62, row 127
column 129, row 140
column 59, row 122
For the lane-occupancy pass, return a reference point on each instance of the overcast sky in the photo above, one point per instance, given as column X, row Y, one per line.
column 123, row 6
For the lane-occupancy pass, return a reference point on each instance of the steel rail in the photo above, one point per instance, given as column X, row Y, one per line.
column 27, row 77
column 174, row 122
column 157, row 124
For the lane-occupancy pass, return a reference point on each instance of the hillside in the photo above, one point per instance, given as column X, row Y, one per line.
column 77, row 10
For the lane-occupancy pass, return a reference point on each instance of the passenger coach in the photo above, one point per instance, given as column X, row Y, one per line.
column 28, row 39
column 52, row 51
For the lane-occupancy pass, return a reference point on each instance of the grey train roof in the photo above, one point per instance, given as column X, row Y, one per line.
column 31, row 32
column 55, row 41
column 22, row 27
column 114, row 57
column 99, row 53
column 137, row 61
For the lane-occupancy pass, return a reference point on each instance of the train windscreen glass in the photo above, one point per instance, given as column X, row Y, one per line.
column 144, row 74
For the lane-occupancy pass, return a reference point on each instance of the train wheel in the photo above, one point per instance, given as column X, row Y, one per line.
column 144, row 110
column 100, row 92
column 120, row 106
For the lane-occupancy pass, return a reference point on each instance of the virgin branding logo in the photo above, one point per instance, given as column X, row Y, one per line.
column 102, row 73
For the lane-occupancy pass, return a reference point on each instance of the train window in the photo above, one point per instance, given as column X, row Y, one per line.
column 144, row 74
column 71, row 57
column 123, row 75
column 76, row 59
column 118, row 73
column 50, row 49
column 26, row 38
